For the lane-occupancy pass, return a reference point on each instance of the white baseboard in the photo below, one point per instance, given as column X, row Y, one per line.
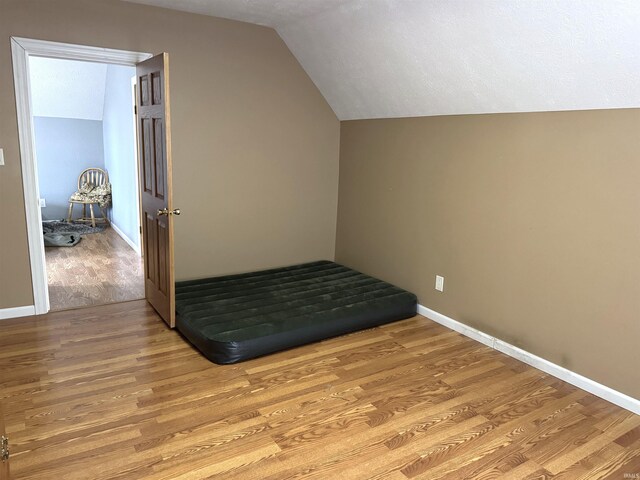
column 602, row 391
column 125, row 238
column 16, row 312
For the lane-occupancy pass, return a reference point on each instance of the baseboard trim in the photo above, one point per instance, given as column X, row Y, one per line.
column 15, row 312
column 575, row 379
column 125, row 238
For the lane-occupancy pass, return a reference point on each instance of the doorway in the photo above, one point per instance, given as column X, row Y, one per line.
column 85, row 146
column 26, row 54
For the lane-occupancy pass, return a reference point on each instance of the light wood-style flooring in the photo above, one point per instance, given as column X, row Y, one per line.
column 101, row 269
column 110, row 393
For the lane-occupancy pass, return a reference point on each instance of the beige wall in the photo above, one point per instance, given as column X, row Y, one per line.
column 533, row 219
column 255, row 145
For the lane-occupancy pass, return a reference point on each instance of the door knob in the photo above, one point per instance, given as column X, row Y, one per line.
column 164, row 211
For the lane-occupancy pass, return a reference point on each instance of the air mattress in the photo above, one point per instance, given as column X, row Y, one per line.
column 238, row 317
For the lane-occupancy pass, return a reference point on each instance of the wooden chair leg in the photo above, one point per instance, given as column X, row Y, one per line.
column 104, row 214
column 93, row 219
column 70, row 212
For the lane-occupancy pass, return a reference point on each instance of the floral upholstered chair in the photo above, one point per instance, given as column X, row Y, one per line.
column 93, row 189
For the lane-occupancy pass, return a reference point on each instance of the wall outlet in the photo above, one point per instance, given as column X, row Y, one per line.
column 43, row 203
column 439, row 283
column 1, row 156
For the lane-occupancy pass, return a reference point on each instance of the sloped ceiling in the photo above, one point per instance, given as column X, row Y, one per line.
column 398, row 58
column 66, row 88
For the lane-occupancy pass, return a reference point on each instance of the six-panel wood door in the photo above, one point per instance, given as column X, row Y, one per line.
column 154, row 144
column 4, row 465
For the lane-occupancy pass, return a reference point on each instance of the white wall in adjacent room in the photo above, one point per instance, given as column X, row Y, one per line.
column 119, row 150
column 64, row 148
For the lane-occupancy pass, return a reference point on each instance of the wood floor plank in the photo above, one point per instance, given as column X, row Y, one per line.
column 110, row 393
column 598, row 442
column 101, row 269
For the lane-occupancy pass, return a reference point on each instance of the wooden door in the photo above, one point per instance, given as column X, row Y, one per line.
column 154, row 154
column 4, row 445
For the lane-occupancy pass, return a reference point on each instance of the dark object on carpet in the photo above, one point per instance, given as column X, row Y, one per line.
column 58, row 233
column 61, row 239
column 238, row 317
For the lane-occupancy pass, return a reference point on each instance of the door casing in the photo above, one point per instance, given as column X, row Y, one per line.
column 21, row 50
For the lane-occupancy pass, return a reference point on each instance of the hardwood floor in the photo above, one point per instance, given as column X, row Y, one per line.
column 110, row 393
column 101, row 269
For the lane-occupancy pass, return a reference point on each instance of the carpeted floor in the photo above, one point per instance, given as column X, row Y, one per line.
column 60, row 226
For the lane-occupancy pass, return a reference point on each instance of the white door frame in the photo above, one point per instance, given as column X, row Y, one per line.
column 21, row 50
column 134, row 106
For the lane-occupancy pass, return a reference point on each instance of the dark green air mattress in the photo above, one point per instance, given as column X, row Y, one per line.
column 237, row 317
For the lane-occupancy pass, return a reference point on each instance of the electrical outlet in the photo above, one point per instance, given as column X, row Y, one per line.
column 1, row 156
column 439, row 283
column 43, row 203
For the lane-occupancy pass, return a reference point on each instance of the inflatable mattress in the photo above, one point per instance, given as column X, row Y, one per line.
column 238, row 317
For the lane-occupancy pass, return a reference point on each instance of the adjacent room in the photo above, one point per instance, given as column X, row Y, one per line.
column 355, row 239
column 83, row 125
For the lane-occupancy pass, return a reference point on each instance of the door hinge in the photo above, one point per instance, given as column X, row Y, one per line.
column 140, row 229
column 135, row 109
column 4, row 448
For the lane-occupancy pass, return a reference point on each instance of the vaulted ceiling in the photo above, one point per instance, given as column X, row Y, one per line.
column 398, row 58
column 67, row 88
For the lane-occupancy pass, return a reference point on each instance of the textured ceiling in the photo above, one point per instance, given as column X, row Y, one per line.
column 272, row 13
column 66, row 88
column 397, row 58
